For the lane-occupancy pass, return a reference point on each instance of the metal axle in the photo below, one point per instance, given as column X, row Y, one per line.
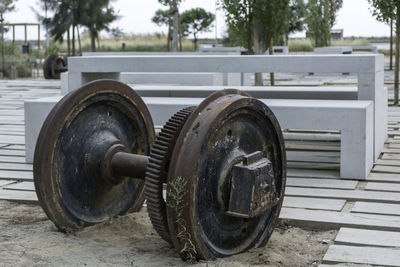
column 129, row 165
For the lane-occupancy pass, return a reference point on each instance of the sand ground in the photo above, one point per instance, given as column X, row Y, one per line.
column 28, row 238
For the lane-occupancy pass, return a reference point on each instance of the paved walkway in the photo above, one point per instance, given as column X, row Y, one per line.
column 367, row 212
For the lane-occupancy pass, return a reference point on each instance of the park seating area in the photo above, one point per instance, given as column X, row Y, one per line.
column 368, row 68
column 315, row 199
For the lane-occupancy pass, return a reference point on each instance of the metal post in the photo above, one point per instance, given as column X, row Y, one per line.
column 47, row 30
column 216, row 25
column 26, row 34
column 38, row 36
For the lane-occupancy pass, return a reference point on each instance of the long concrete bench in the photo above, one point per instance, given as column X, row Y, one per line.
column 176, row 78
column 352, row 118
column 271, row 92
column 369, row 70
column 333, row 50
column 363, row 48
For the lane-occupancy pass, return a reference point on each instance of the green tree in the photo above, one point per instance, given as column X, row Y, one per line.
column 174, row 17
column 257, row 23
column 297, row 12
column 388, row 11
column 320, row 18
column 239, row 16
column 5, row 6
column 97, row 15
column 161, row 18
column 264, row 18
column 195, row 21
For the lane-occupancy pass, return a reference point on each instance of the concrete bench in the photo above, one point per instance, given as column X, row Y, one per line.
column 333, row 50
column 274, row 92
column 365, row 48
column 352, row 118
column 369, row 69
column 176, row 78
column 221, row 49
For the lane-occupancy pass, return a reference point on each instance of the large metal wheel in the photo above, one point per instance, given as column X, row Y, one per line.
column 71, row 146
column 226, row 128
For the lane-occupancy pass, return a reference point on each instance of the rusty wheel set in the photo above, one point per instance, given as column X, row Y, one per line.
column 53, row 66
column 213, row 178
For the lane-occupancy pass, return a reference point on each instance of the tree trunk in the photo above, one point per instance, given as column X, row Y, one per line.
column 271, row 52
column 68, row 43
column 391, row 45
column 73, row 40
column 259, row 48
column 3, row 63
column 195, row 42
column 169, row 29
column 179, row 33
column 175, row 26
column 396, row 68
column 92, row 41
column 79, row 40
column 250, row 29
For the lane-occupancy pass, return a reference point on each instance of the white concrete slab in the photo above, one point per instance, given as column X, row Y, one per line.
column 353, row 119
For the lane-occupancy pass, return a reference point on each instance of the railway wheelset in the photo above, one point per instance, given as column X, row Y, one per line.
column 213, row 178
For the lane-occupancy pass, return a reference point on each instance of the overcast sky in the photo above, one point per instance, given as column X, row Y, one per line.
column 354, row 17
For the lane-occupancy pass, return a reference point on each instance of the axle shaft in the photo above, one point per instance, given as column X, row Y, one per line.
column 129, row 165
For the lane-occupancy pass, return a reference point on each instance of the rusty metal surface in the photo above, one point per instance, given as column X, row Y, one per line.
column 157, row 172
column 253, row 188
column 226, row 126
column 68, row 169
column 129, row 165
column 53, row 66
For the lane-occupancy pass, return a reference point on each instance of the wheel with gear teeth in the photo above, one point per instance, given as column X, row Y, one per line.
column 227, row 177
column 157, row 171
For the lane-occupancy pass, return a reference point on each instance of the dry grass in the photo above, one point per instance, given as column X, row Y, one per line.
column 133, row 42
column 305, row 45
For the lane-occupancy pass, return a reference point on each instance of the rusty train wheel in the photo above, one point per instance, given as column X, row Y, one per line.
column 52, row 66
column 83, row 124
column 226, row 128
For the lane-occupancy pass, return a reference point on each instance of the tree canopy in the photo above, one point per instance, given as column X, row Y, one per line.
column 320, row 18
column 384, row 10
column 174, row 17
column 387, row 11
column 297, row 12
column 7, row 6
column 95, row 15
column 195, row 21
column 263, row 18
column 161, row 17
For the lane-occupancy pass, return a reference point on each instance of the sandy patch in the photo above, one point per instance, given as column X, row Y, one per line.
column 28, row 238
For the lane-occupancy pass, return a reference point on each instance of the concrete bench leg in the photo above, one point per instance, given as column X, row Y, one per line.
column 356, row 156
